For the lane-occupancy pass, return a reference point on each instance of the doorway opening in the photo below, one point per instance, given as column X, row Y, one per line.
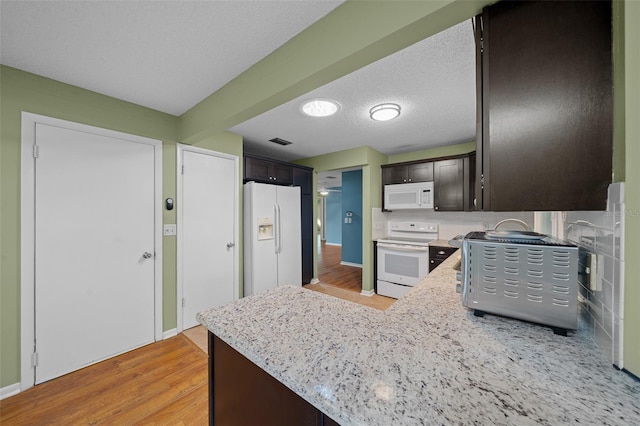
column 340, row 228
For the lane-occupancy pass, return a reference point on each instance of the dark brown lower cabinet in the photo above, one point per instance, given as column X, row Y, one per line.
column 241, row 393
column 438, row 254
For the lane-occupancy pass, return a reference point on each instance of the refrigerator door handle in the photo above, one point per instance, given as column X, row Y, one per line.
column 278, row 237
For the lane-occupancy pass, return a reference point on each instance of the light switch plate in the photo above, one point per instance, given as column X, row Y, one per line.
column 170, row 229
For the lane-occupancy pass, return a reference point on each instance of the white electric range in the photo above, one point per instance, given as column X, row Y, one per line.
column 403, row 257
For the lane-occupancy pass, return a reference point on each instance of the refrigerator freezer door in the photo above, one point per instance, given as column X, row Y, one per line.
column 260, row 260
column 289, row 233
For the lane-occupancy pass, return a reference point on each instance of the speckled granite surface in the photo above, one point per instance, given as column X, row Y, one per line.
column 425, row 360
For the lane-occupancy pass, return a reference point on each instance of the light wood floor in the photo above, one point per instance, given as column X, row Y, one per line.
column 331, row 272
column 164, row 383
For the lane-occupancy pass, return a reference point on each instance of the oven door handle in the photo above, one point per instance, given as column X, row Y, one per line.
column 403, row 248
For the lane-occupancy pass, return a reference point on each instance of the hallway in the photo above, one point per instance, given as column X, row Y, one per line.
column 331, row 272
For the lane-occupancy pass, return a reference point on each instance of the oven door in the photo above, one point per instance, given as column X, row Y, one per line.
column 402, row 264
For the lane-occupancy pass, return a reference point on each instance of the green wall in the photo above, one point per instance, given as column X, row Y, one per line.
column 353, row 35
column 370, row 161
column 632, row 188
column 23, row 91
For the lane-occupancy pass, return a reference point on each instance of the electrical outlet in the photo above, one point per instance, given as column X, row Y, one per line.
column 594, row 262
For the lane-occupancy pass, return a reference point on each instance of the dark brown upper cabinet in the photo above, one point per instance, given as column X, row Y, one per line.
column 453, row 184
column 453, row 179
column 545, row 117
column 263, row 170
column 407, row 173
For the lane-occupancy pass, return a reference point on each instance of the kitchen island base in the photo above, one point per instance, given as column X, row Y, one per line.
column 241, row 393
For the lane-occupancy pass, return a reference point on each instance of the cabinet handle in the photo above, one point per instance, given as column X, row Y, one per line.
column 435, row 208
column 441, row 252
column 409, row 179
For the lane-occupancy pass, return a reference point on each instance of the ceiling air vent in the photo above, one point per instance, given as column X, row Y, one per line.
column 280, row 141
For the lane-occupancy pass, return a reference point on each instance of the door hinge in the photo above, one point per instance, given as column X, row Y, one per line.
column 36, row 151
column 184, row 302
column 182, row 171
column 482, row 181
column 34, row 359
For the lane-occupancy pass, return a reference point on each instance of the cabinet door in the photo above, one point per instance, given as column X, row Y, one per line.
column 256, row 169
column 448, row 185
column 304, row 179
column 547, row 105
column 241, row 393
column 421, row 172
column 394, row 175
column 281, row 174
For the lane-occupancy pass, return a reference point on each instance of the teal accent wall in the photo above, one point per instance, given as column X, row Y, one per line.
column 333, row 216
column 352, row 202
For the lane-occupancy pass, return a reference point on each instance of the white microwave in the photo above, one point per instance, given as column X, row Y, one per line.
column 417, row 195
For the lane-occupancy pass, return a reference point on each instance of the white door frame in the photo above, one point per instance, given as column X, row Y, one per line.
column 27, row 231
column 180, row 148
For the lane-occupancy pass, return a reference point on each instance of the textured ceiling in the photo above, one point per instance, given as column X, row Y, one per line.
column 169, row 55
column 433, row 81
column 165, row 55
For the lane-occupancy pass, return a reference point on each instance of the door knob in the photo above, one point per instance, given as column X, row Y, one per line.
column 147, row 255
column 229, row 245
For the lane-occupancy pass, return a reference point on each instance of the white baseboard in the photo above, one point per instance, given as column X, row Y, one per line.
column 314, row 281
column 334, row 244
column 357, row 265
column 367, row 293
column 10, row 390
column 169, row 333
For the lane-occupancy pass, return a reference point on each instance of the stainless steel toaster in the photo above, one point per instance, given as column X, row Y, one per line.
column 523, row 275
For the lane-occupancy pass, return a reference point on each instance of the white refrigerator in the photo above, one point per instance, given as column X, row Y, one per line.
column 272, row 237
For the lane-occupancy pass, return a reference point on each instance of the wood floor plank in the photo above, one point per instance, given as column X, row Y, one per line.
column 331, row 272
column 147, row 382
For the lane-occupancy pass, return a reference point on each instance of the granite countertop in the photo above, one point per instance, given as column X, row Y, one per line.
column 425, row 360
column 440, row 243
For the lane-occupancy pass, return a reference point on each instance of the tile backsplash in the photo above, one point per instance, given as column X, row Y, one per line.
column 450, row 223
column 599, row 236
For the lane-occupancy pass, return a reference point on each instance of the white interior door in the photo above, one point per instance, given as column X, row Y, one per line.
column 94, row 248
column 208, row 215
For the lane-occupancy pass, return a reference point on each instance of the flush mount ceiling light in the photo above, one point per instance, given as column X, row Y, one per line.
column 384, row 112
column 320, row 107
